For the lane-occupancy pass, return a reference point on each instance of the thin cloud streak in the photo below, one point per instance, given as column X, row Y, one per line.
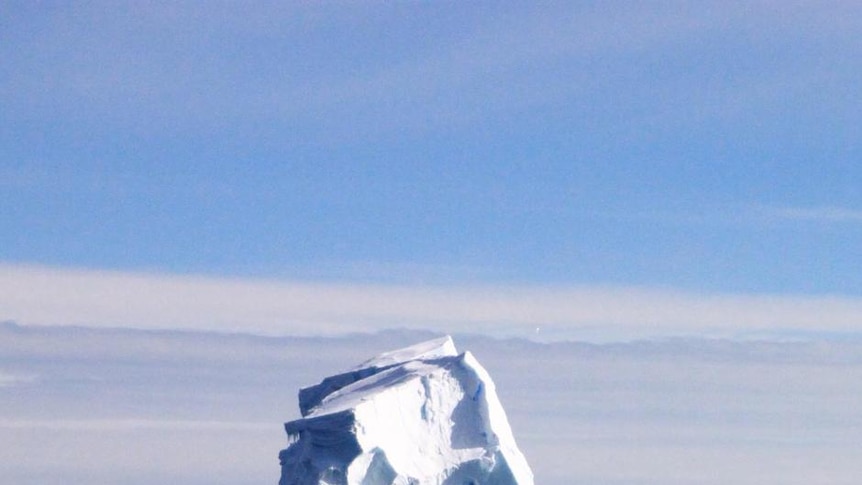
column 10, row 380
column 35, row 295
column 817, row 214
column 132, row 425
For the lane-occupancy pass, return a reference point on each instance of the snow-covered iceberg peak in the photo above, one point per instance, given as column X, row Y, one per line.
column 415, row 416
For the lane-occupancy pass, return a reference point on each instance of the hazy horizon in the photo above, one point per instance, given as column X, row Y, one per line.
column 99, row 406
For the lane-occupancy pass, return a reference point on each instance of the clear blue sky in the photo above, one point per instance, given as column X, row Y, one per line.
column 705, row 146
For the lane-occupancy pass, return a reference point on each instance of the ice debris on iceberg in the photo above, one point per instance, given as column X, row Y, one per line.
column 420, row 415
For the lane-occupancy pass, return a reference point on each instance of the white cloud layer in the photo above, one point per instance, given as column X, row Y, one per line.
column 36, row 295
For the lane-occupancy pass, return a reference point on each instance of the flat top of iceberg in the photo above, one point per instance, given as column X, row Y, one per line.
column 430, row 349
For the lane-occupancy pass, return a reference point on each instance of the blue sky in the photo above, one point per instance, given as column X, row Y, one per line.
column 706, row 147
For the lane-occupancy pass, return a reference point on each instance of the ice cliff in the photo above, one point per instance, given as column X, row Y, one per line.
column 420, row 415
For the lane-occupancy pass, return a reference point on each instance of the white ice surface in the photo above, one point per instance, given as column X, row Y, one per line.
column 426, row 417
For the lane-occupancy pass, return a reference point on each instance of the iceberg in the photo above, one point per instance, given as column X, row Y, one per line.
column 425, row 414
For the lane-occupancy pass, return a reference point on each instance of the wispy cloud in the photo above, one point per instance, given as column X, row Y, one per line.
column 815, row 214
column 9, row 380
column 505, row 63
column 51, row 296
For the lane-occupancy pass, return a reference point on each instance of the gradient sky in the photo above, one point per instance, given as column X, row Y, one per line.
column 700, row 146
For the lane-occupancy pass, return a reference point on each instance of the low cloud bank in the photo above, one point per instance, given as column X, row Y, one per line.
column 198, row 408
column 36, row 295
